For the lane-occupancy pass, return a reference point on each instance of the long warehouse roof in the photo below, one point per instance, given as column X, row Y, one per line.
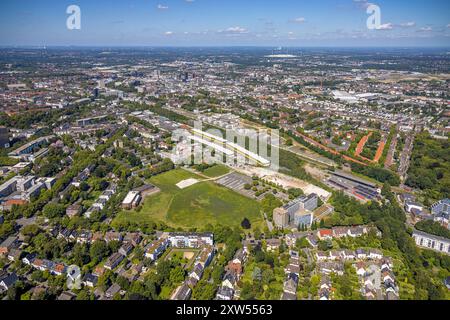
column 211, row 144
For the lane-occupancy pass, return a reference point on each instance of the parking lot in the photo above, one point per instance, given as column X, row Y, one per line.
column 236, row 182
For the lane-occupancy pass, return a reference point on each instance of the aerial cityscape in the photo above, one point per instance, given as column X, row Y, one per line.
column 274, row 156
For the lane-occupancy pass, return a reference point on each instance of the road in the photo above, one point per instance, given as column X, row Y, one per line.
column 269, row 224
column 405, row 157
column 390, row 156
column 308, row 255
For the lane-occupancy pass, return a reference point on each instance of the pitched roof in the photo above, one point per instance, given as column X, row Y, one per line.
column 325, row 232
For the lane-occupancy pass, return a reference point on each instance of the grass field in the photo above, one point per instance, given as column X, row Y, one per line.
column 216, row 171
column 185, row 256
column 196, row 206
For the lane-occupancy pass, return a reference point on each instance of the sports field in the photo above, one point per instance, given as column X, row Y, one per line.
column 195, row 206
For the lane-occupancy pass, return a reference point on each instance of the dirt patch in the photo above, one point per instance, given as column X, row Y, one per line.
column 361, row 144
column 188, row 255
column 187, row 183
column 380, row 151
column 283, row 180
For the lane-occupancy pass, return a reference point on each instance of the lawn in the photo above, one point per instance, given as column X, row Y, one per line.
column 184, row 256
column 196, row 206
column 216, row 171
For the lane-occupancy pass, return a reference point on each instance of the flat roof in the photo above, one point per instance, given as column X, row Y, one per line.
column 431, row 236
column 354, row 178
column 30, row 144
column 211, row 144
column 232, row 145
column 130, row 197
column 209, row 135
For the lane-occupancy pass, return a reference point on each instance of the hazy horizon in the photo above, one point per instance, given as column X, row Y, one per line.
column 202, row 23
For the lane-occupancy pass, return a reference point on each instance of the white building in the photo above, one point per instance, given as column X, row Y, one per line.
column 191, row 240
column 432, row 242
column 131, row 200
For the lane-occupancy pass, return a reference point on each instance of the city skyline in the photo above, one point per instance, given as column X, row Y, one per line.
column 330, row 23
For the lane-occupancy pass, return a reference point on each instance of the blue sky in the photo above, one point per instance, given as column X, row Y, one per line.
column 293, row 23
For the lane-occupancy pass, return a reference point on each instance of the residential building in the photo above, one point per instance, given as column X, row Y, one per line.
column 125, row 249
column 225, row 294
column 156, row 248
column 432, row 242
column 4, row 138
column 296, row 213
column 8, row 244
column 8, row 281
column 183, row 292
column 191, row 240
column 90, row 280
column 113, row 261
column 112, row 291
column 132, row 200
column 273, row 244
column 73, row 210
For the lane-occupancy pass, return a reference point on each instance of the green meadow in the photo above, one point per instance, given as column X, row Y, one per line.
column 196, row 206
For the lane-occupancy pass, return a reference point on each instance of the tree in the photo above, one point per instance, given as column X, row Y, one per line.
column 37, row 276
column 322, row 223
column 269, row 203
column 114, row 246
column 83, row 295
column 248, row 292
column 345, row 286
column 302, row 243
column 30, row 230
column 434, row 228
column 54, row 210
column 260, row 256
column 84, row 186
column 177, row 275
column 269, row 260
column 99, row 250
column 257, row 233
column 123, row 282
column 204, row 291
column 268, row 276
column 163, row 272
column 6, row 229
column 289, row 142
column 324, row 245
column 386, row 190
column 295, row 193
column 80, row 254
column 245, row 224
column 104, row 281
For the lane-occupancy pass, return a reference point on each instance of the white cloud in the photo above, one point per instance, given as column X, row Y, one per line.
column 426, row 29
column 408, row 24
column 162, row 7
column 385, row 26
column 168, row 33
column 234, row 30
column 299, row 20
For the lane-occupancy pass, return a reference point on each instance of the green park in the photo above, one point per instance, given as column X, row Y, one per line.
column 195, row 206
